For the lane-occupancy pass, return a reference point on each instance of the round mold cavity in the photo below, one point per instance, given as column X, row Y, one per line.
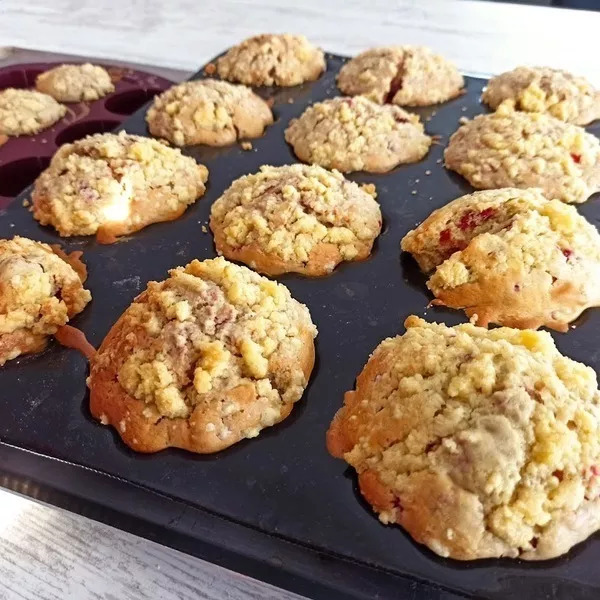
column 80, row 130
column 19, row 78
column 126, row 103
column 17, row 175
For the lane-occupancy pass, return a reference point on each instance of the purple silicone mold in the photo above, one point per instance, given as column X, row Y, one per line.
column 23, row 158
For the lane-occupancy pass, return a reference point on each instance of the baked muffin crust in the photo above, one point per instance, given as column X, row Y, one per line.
column 114, row 184
column 41, row 288
column 208, row 357
column 295, row 218
column 479, row 443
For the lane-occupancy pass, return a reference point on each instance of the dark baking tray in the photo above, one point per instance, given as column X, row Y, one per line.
column 23, row 158
column 277, row 507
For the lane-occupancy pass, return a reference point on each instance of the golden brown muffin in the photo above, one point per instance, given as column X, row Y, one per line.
column 517, row 149
column 541, row 89
column 271, row 59
column 202, row 360
column 41, row 288
column 355, row 134
column 75, row 83
column 479, row 443
column 403, row 75
column 114, row 184
column 209, row 112
column 25, row 112
column 295, row 218
column 510, row 257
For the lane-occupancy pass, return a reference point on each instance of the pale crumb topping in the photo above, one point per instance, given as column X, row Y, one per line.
column 545, row 90
column 75, row 83
column 120, row 179
column 208, row 112
column 270, row 59
column 24, row 112
column 210, row 329
column 39, row 292
column 403, row 75
column 355, row 134
column 544, row 250
column 288, row 211
column 500, row 417
column 516, row 149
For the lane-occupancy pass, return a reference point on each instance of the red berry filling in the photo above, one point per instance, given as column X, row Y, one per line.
column 567, row 253
column 472, row 219
column 576, row 158
column 445, row 237
column 397, row 504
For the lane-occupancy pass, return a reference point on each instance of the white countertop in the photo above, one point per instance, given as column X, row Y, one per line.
column 49, row 554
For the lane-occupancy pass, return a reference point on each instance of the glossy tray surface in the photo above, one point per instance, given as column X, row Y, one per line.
column 281, row 487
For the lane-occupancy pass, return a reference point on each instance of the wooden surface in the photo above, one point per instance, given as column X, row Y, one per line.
column 49, row 554
column 482, row 37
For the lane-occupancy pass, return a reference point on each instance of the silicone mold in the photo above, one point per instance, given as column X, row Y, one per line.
column 23, row 158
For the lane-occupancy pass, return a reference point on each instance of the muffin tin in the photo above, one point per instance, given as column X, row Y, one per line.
column 23, row 158
column 277, row 507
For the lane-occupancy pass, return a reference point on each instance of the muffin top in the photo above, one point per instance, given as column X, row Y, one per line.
column 510, row 257
column 203, row 359
column 272, row 59
column 541, row 89
column 356, row 134
column 209, row 112
column 113, row 184
column 295, row 218
column 24, row 112
column 41, row 288
column 518, row 149
column 479, row 443
column 403, row 75
column 75, row 83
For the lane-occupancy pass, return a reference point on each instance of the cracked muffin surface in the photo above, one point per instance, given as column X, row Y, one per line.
column 403, row 75
column 114, row 184
column 518, row 149
column 356, row 134
column 295, row 218
column 510, row 257
column 272, row 59
column 41, row 288
column 75, row 83
column 542, row 89
column 209, row 112
column 202, row 360
column 25, row 112
column 479, row 443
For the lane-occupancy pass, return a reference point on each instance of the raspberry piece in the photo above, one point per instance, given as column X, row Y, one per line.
column 445, row 237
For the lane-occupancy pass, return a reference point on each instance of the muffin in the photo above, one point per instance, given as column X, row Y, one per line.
column 25, row 112
column 202, row 360
column 209, row 112
column 41, row 288
column 541, row 89
column 356, row 134
column 518, row 149
column 510, row 257
column 295, row 218
column 272, row 59
column 479, row 443
column 402, row 75
column 114, row 184
column 75, row 83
